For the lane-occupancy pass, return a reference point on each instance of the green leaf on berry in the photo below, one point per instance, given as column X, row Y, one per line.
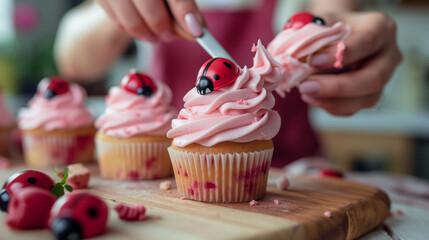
column 68, row 188
column 58, row 189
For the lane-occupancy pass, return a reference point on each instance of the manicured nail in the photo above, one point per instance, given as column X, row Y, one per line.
column 149, row 38
column 193, row 25
column 167, row 36
column 318, row 60
column 309, row 87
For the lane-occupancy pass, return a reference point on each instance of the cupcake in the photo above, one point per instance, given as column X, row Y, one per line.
column 57, row 128
column 222, row 147
column 6, row 127
column 304, row 35
column 131, row 140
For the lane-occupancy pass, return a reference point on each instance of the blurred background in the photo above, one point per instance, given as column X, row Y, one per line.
column 393, row 136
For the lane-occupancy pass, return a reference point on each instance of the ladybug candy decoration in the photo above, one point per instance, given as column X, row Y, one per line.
column 139, row 84
column 216, row 73
column 56, row 86
column 78, row 215
column 301, row 19
column 21, row 180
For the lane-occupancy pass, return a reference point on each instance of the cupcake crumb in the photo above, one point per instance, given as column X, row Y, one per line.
column 327, row 214
column 283, row 183
column 166, row 185
column 182, row 198
column 4, row 163
column 253, row 203
column 276, row 201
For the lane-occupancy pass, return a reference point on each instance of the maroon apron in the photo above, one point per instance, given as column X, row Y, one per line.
column 177, row 64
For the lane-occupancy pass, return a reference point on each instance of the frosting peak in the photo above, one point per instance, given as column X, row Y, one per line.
column 241, row 112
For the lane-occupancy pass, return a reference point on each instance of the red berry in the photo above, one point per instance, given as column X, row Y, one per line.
column 301, row 19
column 139, row 84
column 331, row 173
column 29, row 208
column 216, row 73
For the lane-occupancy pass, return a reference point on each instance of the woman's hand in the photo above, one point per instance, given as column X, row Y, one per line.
column 371, row 56
column 153, row 20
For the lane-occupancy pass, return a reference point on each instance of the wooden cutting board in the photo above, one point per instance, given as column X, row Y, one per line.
column 355, row 208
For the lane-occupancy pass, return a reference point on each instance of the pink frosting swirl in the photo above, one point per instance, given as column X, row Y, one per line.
column 290, row 47
column 64, row 111
column 6, row 119
column 241, row 112
column 128, row 114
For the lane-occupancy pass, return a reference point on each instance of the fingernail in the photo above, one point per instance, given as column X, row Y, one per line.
column 193, row 25
column 309, row 87
column 320, row 59
column 149, row 38
column 167, row 36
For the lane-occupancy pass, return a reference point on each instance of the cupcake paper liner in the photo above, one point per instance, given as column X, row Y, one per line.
column 50, row 150
column 134, row 160
column 221, row 177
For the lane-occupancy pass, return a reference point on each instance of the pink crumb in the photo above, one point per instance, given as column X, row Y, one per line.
column 276, row 201
column 399, row 212
column 253, row 203
column 4, row 163
column 130, row 213
column 182, row 198
column 339, row 55
column 254, row 48
column 283, row 183
column 327, row 214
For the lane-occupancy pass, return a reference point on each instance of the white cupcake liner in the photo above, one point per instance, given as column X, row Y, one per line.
column 50, row 150
column 133, row 160
column 227, row 178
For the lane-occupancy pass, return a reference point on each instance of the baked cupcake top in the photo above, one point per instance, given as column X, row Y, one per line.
column 57, row 104
column 6, row 119
column 303, row 35
column 237, row 110
column 140, row 106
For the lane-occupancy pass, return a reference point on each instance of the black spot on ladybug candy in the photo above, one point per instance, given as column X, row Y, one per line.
column 216, row 73
column 139, row 84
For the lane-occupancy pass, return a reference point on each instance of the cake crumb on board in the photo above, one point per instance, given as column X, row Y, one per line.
column 327, row 214
column 276, row 201
column 165, row 185
column 253, row 203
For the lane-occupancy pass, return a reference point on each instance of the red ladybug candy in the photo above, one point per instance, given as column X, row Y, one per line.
column 301, row 19
column 216, row 73
column 331, row 173
column 138, row 83
column 29, row 208
column 78, row 215
column 22, row 180
column 56, row 86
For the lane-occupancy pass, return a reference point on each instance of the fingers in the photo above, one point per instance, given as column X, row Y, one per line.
column 368, row 79
column 153, row 20
column 157, row 18
column 187, row 15
column 370, row 33
column 343, row 106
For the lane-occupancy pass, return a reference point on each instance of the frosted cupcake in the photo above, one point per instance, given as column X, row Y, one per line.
column 57, row 128
column 6, row 127
column 131, row 141
column 304, row 35
column 222, row 145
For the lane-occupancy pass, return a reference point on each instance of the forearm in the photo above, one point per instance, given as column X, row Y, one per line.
column 321, row 6
column 87, row 43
